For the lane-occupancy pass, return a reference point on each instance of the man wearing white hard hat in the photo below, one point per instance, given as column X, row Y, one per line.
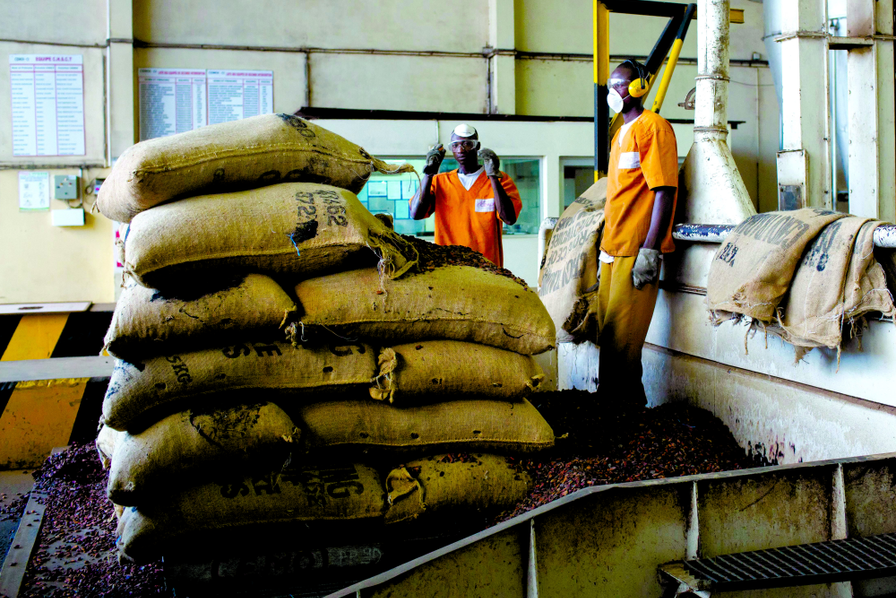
column 472, row 202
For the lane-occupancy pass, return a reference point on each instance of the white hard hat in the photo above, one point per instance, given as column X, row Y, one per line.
column 464, row 130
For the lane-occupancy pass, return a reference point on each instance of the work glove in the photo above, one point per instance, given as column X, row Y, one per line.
column 647, row 267
column 434, row 159
column 490, row 162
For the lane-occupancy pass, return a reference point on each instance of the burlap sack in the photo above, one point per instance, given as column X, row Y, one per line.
column 249, row 509
column 867, row 289
column 568, row 280
column 596, row 196
column 147, row 323
column 470, row 425
column 166, row 383
column 195, row 446
column 454, row 302
column 753, row 268
column 106, row 440
column 244, row 154
column 454, row 486
column 293, row 228
column 430, row 371
column 837, row 282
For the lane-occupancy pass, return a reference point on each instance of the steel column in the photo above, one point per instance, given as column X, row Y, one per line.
column 870, row 108
column 804, row 49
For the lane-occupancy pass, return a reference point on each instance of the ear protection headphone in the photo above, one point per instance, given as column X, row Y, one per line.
column 637, row 88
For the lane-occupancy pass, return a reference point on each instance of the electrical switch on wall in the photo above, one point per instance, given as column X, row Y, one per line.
column 65, row 186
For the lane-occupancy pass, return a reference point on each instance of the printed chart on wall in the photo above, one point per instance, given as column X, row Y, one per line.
column 34, row 191
column 233, row 95
column 171, row 101
column 47, row 105
column 178, row 100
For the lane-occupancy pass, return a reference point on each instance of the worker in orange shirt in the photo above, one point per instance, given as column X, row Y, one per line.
column 470, row 203
column 641, row 194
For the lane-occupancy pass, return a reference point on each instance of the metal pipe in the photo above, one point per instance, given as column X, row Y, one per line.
column 107, row 84
column 715, row 191
column 884, row 235
column 711, row 115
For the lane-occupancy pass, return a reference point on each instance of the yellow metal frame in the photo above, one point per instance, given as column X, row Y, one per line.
column 667, row 75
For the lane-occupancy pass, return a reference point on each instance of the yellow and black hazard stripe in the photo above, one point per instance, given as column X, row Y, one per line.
column 38, row 415
column 46, row 336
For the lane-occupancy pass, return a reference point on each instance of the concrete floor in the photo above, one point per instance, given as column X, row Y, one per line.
column 13, row 483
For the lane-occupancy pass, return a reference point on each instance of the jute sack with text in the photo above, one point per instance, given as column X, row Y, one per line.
column 106, row 441
column 596, row 195
column 430, row 371
column 837, row 282
column 193, row 446
column 293, row 228
column 165, row 383
column 454, row 485
column 753, row 268
column 469, row 425
column 568, row 280
column 453, row 302
column 147, row 323
column 246, row 510
column 222, row 158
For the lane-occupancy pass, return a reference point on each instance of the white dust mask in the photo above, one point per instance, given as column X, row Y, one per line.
column 614, row 100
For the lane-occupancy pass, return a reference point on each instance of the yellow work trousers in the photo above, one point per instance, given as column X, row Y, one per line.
column 623, row 317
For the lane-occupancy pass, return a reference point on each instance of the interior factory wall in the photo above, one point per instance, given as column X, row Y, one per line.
column 42, row 262
column 386, row 55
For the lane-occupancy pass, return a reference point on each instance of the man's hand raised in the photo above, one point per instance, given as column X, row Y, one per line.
column 490, row 162
column 434, row 159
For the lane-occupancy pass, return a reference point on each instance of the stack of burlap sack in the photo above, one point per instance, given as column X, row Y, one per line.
column 801, row 275
column 568, row 279
column 286, row 362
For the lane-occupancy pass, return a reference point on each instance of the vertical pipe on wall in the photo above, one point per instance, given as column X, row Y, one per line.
column 307, row 79
column 601, row 43
column 489, row 104
column 107, row 107
column 715, row 191
column 711, row 106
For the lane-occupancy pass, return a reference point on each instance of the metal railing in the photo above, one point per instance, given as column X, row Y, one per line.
column 884, row 235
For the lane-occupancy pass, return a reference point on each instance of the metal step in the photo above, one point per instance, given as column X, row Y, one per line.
column 822, row 562
column 610, row 540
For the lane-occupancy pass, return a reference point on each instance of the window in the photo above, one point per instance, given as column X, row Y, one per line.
column 390, row 194
column 578, row 175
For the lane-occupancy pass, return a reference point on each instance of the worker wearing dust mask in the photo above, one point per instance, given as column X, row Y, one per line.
column 472, row 202
column 641, row 194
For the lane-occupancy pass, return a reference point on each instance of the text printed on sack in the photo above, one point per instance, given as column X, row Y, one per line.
column 568, row 250
column 317, row 485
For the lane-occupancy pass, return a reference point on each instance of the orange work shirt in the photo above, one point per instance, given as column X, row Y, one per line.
column 470, row 217
column 645, row 158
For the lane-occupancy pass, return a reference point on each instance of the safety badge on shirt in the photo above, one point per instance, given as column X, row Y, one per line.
column 485, row 205
column 629, row 160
